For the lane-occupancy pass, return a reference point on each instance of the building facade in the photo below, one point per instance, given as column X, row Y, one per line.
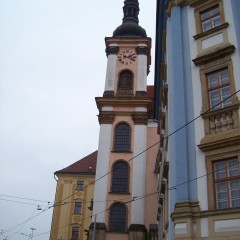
column 198, row 86
column 74, row 199
column 125, row 200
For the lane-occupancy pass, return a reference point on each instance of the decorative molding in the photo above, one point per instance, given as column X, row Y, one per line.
column 140, row 118
column 216, row 53
column 142, row 50
column 112, row 50
column 108, row 93
column 172, row 3
column 210, row 31
column 137, row 228
column 221, row 140
column 106, row 117
column 141, row 93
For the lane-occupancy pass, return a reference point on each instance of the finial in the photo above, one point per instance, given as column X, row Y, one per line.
column 131, row 11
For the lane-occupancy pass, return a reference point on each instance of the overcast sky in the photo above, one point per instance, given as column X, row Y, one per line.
column 52, row 66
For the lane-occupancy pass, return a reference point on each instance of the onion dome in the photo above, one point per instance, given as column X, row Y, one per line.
column 129, row 26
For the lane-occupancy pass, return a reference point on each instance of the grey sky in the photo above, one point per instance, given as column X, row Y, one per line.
column 52, row 66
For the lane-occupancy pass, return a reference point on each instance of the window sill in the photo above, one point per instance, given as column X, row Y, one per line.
column 210, row 31
column 113, row 151
column 119, row 193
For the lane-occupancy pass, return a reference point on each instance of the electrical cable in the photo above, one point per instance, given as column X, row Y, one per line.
column 31, row 199
column 180, row 128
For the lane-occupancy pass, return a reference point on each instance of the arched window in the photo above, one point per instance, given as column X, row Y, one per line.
column 122, row 138
column 118, row 218
column 125, row 83
column 120, row 177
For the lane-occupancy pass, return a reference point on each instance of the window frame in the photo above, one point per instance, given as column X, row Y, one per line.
column 73, row 237
column 226, row 180
column 114, row 179
column 220, row 155
column 204, row 7
column 82, row 185
column 114, row 223
column 116, row 145
column 219, row 86
column 78, row 209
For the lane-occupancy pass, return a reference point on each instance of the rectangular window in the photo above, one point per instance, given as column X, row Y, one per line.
column 219, row 92
column 227, row 183
column 210, row 18
column 80, row 185
column 75, row 233
column 78, row 208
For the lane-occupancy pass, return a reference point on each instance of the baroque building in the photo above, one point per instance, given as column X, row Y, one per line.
column 197, row 104
column 73, row 200
column 125, row 200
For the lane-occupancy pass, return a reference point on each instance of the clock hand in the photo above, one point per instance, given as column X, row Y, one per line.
column 129, row 56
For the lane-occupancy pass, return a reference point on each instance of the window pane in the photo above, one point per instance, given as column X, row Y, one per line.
column 75, row 233
column 220, row 168
column 223, row 77
column 225, row 93
column 233, row 167
column 235, row 193
column 206, row 25
column 216, row 21
column 212, row 80
column 214, row 99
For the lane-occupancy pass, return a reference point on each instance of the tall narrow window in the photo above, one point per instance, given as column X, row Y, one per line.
column 80, row 185
column 120, row 177
column 118, row 218
column 125, row 83
column 227, row 183
column 219, row 89
column 75, row 233
column 210, row 18
column 122, row 138
column 78, row 208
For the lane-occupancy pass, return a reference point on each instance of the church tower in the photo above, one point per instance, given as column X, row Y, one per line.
column 125, row 205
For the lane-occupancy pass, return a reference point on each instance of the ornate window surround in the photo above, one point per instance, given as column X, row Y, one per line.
column 221, row 155
column 209, row 68
column 202, row 6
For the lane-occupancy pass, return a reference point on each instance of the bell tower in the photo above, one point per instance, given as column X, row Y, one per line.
column 125, row 169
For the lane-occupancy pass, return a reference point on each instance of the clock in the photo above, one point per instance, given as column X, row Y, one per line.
column 127, row 56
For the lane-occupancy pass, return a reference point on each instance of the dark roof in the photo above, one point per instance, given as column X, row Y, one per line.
column 129, row 26
column 86, row 165
column 150, row 91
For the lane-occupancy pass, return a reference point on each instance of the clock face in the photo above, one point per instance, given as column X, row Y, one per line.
column 127, row 56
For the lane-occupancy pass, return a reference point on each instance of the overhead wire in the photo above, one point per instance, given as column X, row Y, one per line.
column 180, row 128
column 173, row 187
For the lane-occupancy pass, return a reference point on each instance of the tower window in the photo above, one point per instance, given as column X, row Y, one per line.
column 227, row 183
column 118, row 218
column 122, row 138
column 120, row 177
column 219, row 89
column 125, row 83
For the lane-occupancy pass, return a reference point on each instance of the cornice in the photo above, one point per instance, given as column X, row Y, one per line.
column 211, row 55
column 140, row 118
column 124, row 102
column 112, row 50
column 142, row 50
column 220, row 140
column 106, row 117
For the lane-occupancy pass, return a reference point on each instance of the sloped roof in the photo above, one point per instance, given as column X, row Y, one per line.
column 150, row 91
column 86, row 165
